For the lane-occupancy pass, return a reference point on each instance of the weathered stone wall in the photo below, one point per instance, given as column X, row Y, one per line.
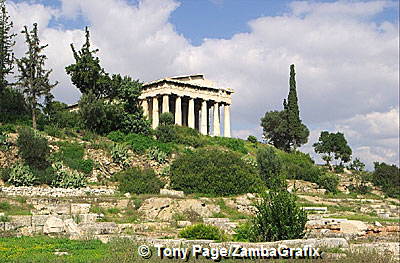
column 54, row 192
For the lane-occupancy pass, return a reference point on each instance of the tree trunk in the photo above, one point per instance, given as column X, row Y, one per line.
column 34, row 116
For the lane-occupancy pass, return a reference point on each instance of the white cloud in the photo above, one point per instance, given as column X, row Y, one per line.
column 347, row 66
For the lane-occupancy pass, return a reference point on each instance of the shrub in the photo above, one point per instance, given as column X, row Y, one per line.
column 202, row 231
column 233, row 144
column 7, row 128
column 166, row 133
column 71, row 154
column 66, row 179
column 300, row 166
column 117, row 136
column 329, row 182
column 59, row 116
column 252, row 139
column 250, row 160
column 54, row 131
column 12, row 105
column 137, row 181
column 269, row 165
column 278, row 217
column 157, row 155
column 388, row 178
column 33, row 148
column 215, row 172
column 244, row 232
column 44, row 176
column 119, row 154
column 5, row 173
column 166, row 118
column 21, row 175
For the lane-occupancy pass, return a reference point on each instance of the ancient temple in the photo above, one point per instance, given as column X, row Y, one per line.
column 193, row 100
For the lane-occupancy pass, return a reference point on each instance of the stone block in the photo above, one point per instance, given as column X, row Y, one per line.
column 53, row 225
column 173, row 193
column 182, row 224
column 21, row 221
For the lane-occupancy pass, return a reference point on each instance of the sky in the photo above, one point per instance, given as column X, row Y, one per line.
column 346, row 55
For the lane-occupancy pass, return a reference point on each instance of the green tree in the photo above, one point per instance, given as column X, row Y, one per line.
column 87, row 74
column 333, row 145
column 33, row 77
column 388, row 178
column 6, row 44
column 270, row 168
column 284, row 129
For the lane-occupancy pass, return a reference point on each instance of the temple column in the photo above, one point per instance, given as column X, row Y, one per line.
column 145, row 107
column 178, row 111
column 216, row 127
column 191, row 113
column 204, row 118
column 165, row 104
column 227, row 121
column 155, row 116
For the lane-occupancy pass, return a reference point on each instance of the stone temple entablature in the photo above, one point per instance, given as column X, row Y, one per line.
column 193, row 100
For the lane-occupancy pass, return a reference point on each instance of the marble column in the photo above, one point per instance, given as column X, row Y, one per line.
column 145, row 107
column 227, row 121
column 155, row 116
column 216, row 127
column 178, row 111
column 165, row 103
column 191, row 113
column 204, row 118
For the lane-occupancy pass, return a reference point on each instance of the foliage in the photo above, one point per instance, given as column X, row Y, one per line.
column 137, row 181
column 202, row 231
column 215, row 172
column 33, row 77
column 244, row 232
column 12, row 105
column 21, row 175
column 4, row 143
column 119, row 154
column 58, row 115
column 71, row 154
column 333, row 145
column 269, row 165
column 139, row 143
column 278, row 217
column 233, row 144
column 329, row 182
column 44, row 175
column 166, row 118
column 284, row 129
column 6, row 45
column 252, row 139
column 166, row 133
column 157, row 155
column 250, row 160
column 33, row 148
column 66, row 179
column 87, row 74
column 388, row 178
column 357, row 165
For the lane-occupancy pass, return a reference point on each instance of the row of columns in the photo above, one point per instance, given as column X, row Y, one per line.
column 204, row 117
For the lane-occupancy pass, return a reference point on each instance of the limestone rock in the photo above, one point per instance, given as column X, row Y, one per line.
column 353, row 226
column 182, row 224
column 53, row 225
column 172, row 193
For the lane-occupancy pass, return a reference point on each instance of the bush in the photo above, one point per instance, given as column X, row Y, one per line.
column 329, row 182
column 54, row 131
column 119, row 154
column 4, row 143
column 5, row 173
column 388, row 178
column 278, row 217
column 269, row 165
column 137, row 181
column 66, row 179
column 244, row 233
column 44, row 176
column 166, row 133
column 202, row 231
column 59, row 116
column 21, row 175
column 13, row 106
column 72, row 155
column 117, row 136
column 252, row 139
column 33, row 148
column 166, row 118
column 7, row 128
column 213, row 171
column 300, row 166
column 157, row 155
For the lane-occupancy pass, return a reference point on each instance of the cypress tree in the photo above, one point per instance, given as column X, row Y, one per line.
column 6, row 44
column 33, row 77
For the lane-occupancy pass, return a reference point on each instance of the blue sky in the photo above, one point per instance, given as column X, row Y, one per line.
column 346, row 54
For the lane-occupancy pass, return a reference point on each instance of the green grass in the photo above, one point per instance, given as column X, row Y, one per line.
column 13, row 209
column 72, row 155
column 368, row 218
column 42, row 249
column 229, row 212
